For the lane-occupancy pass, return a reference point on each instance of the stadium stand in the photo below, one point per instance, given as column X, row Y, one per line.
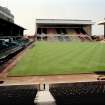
column 51, row 31
column 82, row 31
column 44, row 32
column 63, row 29
column 9, row 47
column 17, row 95
column 71, row 31
column 79, row 93
column 39, row 31
column 82, row 35
column 62, row 34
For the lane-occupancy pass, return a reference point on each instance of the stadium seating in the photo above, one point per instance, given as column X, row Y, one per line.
column 51, row 31
column 82, row 38
column 62, row 34
column 82, row 31
column 10, row 48
column 78, row 31
column 3, row 45
column 38, row 37
column 83, row 35
column 79, row 93
column 87, row 37
column 79, row 34
column 44, row 30
column 71, row 31
column 39, row 31
column 63, row 30
column 58, row 30
column 17, row 95
column 22, row 42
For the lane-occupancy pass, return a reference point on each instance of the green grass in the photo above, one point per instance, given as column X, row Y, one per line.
column 50, row 58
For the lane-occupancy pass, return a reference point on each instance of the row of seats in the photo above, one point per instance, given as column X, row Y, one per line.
column 9, row 47
column 64, row 94
column 17, row 95
column 64, row 38
column 81, row 34
column 6, row 45
column 79, row 93
column 22, row 42
column 9, row 44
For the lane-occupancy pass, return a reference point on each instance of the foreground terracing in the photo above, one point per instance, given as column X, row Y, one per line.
column 92, row 92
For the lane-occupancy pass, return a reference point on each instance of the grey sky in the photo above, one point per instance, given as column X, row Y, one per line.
column 26, row 11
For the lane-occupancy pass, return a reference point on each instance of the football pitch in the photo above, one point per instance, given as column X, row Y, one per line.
column 51, row 58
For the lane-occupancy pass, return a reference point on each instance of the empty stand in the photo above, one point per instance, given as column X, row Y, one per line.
column 63, row 29
column 71, row 31
column 51, row 31
column 62, row 34
column 79, row 93
column 17, row 95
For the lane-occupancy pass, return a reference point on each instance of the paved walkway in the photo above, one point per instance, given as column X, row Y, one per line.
column 50, row 79
column 44, row 98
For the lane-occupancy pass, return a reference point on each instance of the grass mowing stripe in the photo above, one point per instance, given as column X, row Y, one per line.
column 56, row 54
column 75, row 54
column 95, row 59
column 102, row 58
column 83, row 57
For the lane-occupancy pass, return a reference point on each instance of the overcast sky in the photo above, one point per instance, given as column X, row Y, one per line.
column 26, row 11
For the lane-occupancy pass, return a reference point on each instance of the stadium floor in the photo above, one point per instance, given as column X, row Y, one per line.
column 61, row 58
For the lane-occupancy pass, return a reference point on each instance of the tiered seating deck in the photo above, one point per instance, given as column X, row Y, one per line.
column 17, row 95
column 79, row 93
